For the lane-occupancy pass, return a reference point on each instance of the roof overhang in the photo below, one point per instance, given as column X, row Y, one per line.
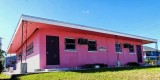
column 71, row 26
column 82, row 27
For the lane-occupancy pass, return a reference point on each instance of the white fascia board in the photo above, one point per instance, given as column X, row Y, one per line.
column 81, row 27
column 15, row 32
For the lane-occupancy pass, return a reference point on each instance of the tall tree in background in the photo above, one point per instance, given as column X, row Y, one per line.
column 1, row 59
column 1, row 53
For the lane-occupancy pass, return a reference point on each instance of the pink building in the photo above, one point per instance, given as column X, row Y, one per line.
column 44, row 43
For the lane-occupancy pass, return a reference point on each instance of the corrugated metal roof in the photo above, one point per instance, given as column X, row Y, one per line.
column 146, row 48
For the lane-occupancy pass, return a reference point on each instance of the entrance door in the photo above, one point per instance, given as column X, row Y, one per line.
column 139, row 53
column 52, row 50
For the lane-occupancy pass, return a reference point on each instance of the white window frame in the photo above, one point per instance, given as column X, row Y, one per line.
column 96, row 46
column 116, row 48
column 30, row 47
column 70, row 50
column 19, row 56
column 133, row 50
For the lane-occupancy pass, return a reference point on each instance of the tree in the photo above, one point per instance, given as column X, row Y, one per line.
column 1, row 61
column 1, row 67
column 1, row 53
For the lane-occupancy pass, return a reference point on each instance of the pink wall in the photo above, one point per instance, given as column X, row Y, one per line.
column 81, row 55
column 32, row 60
column 35, row 39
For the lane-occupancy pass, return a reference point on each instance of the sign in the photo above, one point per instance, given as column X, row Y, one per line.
column 102, row 48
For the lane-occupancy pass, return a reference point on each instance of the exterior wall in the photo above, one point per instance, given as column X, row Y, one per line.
column 32, row 60
column 81, row 56
column 37, row 60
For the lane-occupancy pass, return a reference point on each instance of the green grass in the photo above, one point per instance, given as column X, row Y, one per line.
column 136, row 73
column 3, row 76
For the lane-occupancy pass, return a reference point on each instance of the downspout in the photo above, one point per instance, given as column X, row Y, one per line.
column 26, row 42
column 21, row 48
column 24, row 65
column 156, row 46
column 22, row 41
column 118, row 61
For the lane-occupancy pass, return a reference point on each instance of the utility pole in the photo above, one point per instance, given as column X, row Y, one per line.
column 118, row 60
column 156, row 46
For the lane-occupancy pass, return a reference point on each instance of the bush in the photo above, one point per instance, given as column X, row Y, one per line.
column 93, row 65
column 1, row 66
column 133, row 64
column 102, row 65
column 88, row 66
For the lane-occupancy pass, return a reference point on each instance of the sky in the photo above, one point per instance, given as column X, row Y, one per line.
column 137, row 17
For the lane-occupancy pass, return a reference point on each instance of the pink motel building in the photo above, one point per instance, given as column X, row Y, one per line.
column 45, row 44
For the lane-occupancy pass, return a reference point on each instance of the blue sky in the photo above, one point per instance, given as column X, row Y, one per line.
column 138, row 17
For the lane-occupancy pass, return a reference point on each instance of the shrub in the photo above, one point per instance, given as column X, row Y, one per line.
column 87, row 66
column 133, row 64
column 102, row 65
column 1, row 66
column 93, row 65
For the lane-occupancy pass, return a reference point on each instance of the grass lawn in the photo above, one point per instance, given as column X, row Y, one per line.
column 136, row 73
column 2, row 76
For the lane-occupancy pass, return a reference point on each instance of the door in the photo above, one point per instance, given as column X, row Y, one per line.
column 52, row 50
column 139, row 53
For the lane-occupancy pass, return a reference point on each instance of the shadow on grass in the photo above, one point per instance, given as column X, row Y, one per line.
column 113, row 69
column 16, row 77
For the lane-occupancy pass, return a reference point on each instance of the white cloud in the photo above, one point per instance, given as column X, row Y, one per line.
column 86, row 12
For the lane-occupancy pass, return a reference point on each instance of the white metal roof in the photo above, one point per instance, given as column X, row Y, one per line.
column 146, row 48
column 82, row 27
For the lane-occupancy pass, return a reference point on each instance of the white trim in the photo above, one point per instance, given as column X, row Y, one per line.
column 120, row 47
column 93, row 51
column 132, row 53
column 69, row 38
column 92, row 40
column 152, row 56
column 133, row 49
column 71, row 50
column 13, row 36
column 96, row 46
column 118, row 52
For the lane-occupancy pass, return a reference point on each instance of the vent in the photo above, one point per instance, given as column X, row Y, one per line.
column 82, row 41
column 126, row 45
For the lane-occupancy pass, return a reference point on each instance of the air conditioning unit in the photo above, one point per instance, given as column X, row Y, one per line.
column 23, row 68
column 82, row 41
column 126, row 45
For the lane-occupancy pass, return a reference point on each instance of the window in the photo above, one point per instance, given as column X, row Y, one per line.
column 118, row 47
column 30, row 49
column 92, row 46
column 148, row 53
column 131, row 49
column 70, row 44
column 20, row 55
